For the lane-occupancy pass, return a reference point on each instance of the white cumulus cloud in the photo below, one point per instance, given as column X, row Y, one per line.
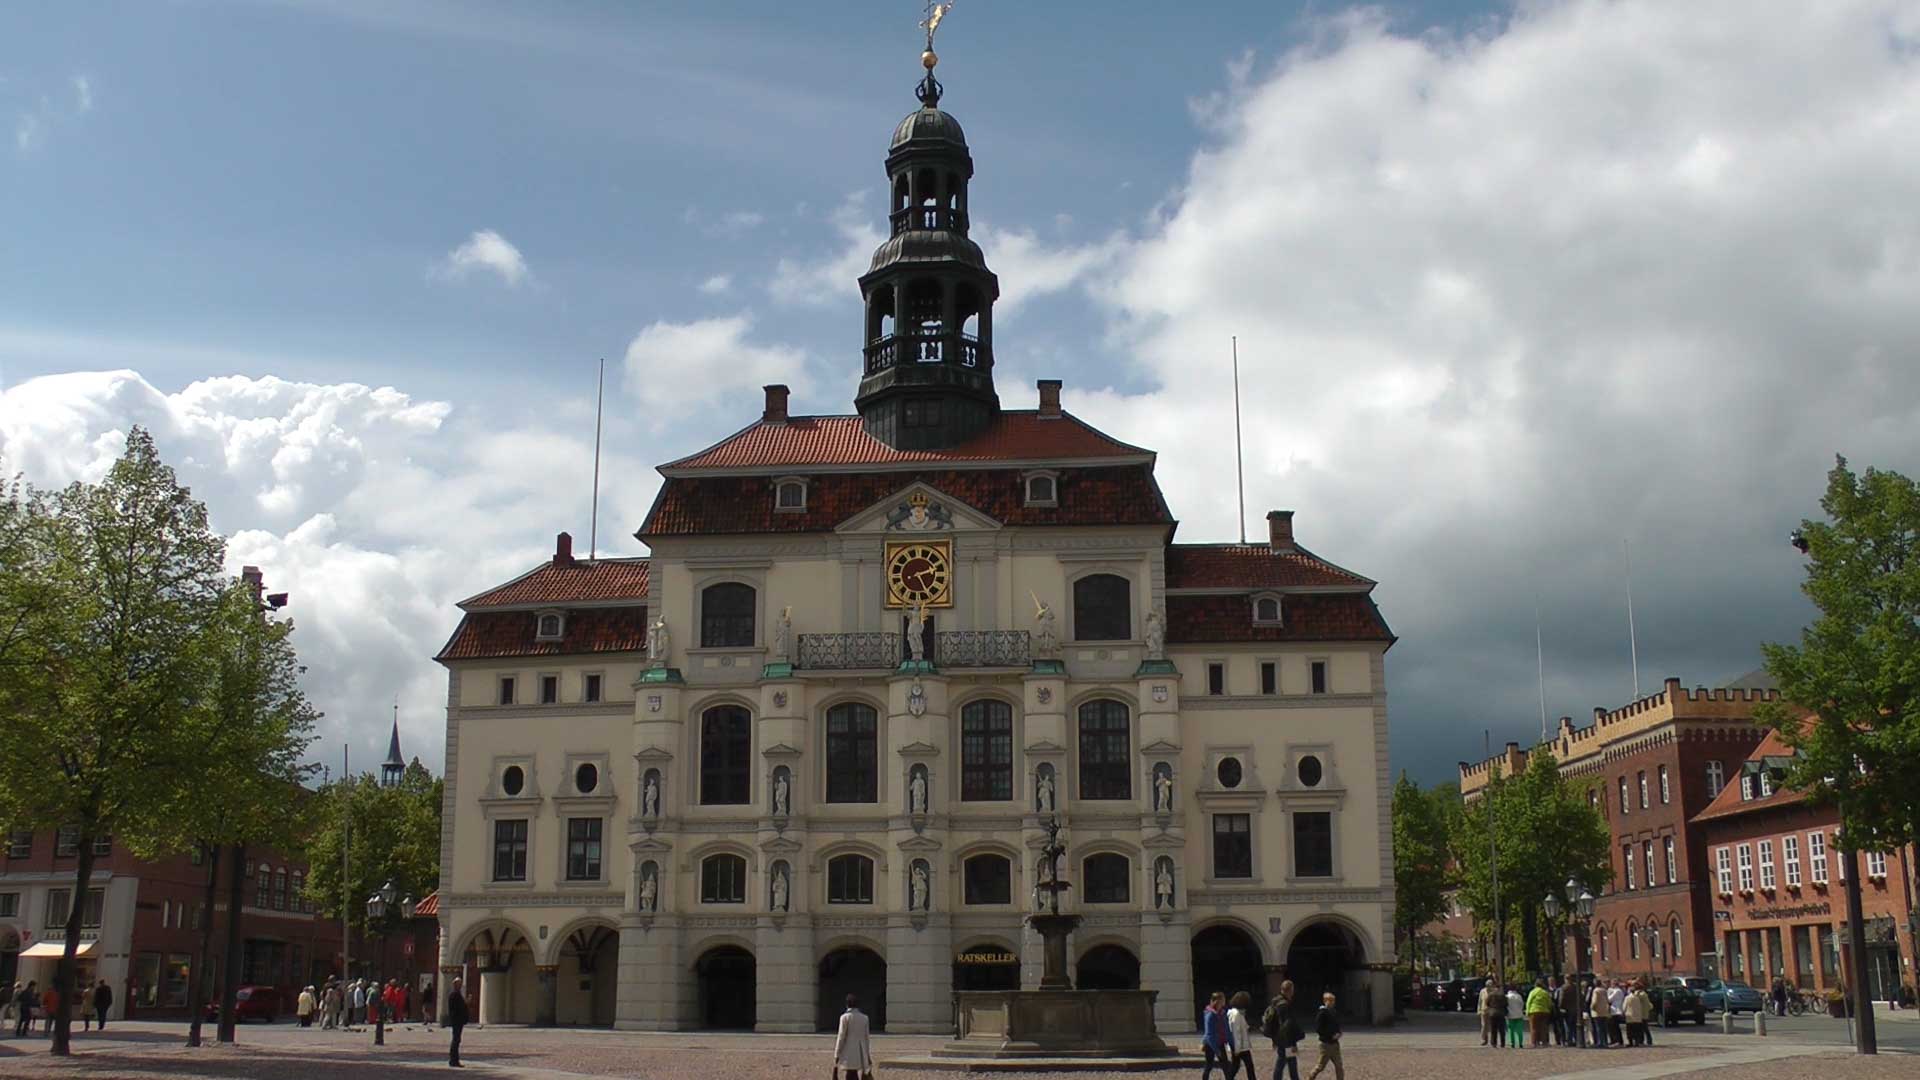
column 674, row 366
column 489, row 251
column 717, row 284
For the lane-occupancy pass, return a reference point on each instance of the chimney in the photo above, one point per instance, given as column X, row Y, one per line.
column 776, row 410
column 563, row 550
column 1049, row 399
column 1280, row 531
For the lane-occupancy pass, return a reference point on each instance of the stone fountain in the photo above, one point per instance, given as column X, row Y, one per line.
column 1055, row 1021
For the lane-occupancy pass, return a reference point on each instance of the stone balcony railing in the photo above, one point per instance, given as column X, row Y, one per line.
column 879, row 649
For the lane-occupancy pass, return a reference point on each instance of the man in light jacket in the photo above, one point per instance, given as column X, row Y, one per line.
column 853, row 1048
column 1600, row 1008
column 1493, row 1011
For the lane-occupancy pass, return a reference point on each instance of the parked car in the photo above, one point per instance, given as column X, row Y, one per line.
column 1468, row 1000
column 1674, row 1001
column 251, row 1003
column 1735, row 997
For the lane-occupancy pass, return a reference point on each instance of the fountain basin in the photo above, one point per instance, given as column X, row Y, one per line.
column 1055, row 1023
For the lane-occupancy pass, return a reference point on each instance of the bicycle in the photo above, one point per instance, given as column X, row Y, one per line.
column 1799, row 1003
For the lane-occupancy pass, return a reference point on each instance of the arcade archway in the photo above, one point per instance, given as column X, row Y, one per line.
column 586, row 981
column 1107, row 967
column 852, row 970
column 1326, row 956
column 1228, row 960
column 724, row 978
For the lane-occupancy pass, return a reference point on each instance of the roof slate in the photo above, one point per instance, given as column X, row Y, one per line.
column 1251, row 566
column 1108, row 495
column 489, row 634
column 1309, row 617
column 1729, row 803
column 578, row 581
column 802, row 441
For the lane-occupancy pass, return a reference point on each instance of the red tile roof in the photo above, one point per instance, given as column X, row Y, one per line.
column 1729, row 803
column 488, row 634
column 576, row 581
column 1107, row 495
column 1308, row 617
column 816, row 441
column 1251, row 566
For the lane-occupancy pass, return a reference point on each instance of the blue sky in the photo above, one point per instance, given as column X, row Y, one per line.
column 1513, row 287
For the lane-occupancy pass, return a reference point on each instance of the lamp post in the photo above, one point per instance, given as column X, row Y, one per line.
column 1551, row 904
column 378, row 906
column 1651, row 935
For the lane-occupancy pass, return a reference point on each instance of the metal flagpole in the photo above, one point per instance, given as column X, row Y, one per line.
column 1633, row 643
column 346, row 879
column 1239, row 467
column 1540, row 667
column 599, row 400
column 1493, row 852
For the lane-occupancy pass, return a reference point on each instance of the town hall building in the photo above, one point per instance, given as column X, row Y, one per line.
column 808, row 747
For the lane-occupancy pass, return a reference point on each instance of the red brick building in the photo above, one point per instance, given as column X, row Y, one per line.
column 1778, row 893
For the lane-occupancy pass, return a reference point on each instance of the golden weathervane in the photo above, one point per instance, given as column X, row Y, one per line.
column 935, row 12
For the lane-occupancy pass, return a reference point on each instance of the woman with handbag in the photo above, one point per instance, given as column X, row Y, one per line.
column 853, row 1049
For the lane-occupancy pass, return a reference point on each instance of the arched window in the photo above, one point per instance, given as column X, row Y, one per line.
column 1105, row 772
column 989, row 879
column 853, row 755
column 726, row 616
column 280, row 889
column 1633, row 941
column 1102, row 608
column 1716, row 778
column 723, row 879
column 986, row 751
column 1104, row 879
column 849, row 879
column 725, row 743
column 1266, row 609
column 1673, row 933
column 1603, row 943
column 550, row 626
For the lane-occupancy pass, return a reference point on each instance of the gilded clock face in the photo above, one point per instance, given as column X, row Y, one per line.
column 920, row 572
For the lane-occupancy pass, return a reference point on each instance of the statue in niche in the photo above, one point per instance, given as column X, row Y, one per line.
column 649, row 888
column 780, row 887
column 782, row 789
column 659, row 641
column 783, row 634
column 1046, row 640
column 917, row 790
column 1156, row 635
column 1043, row 789
column 1163, row 884
column 920, row 895
column 917, row 632
column 1162, row 788
column 650, row 796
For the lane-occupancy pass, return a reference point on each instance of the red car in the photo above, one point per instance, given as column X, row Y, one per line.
column 251, row 1003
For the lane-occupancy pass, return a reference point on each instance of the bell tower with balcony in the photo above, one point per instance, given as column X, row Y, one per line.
column 928, row 379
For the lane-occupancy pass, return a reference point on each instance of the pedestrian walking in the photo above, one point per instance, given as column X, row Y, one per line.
column 1327, row 1025
column 49, row 1006
column 1539, row 1012
column 304, row 1006
column 853, row 1046
column 1780, row 996
column 1237, row 1029
column 1617, row 1012
column 25, row 999
column 1280, row 1026
column 1638, row 1010
column 1600, row 1008
column 1216, row 1042
column 1571, row 999
column 456, row 1021
column 102, row 1001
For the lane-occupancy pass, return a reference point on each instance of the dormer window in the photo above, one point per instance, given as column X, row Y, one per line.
column 1266, row 610
column 790, row 495
column 552, row 624
column 1042, row 489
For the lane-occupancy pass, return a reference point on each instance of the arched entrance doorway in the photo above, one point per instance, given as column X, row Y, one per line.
column 500, row 964
column 987, row 967
column 1227, row 959
column 852, row 970
column 1325, row 956
column 1107, row 967
column 725, row 985
column 587, row 977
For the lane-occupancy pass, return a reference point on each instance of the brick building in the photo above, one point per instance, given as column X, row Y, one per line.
column 1778, row 893
column 1654, row 764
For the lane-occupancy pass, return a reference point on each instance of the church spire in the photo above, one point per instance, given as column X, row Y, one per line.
column 395, row 765
column 927, row 383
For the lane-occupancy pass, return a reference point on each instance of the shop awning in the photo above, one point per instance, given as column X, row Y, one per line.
column 54, row 950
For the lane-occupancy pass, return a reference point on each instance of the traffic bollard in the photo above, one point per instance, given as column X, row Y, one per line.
column 1760, row 1022
column 1726, row 1022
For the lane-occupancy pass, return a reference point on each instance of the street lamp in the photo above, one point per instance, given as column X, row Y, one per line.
column 1650, row 933
column 377, row 907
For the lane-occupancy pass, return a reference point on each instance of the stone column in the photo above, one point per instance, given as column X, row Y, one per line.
column 546, row 1009
column 920, row 974
column 785, row 977
column 1166, row 965
column 655, row 981
column 493, row 996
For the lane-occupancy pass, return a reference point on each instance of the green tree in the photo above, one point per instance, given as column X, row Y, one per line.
column 102, row 738
column 391, row 833
column 1545, row 832
column 1421, row 873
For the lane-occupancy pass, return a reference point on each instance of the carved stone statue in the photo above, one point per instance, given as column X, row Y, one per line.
column 1156, row 635
column 783, row 634
column 1043, row 791
column 649, row 892
column 780, row 889
column 1163, row 791
column 917, row 632
column 917, row 791
column 781, row 789
column 918, row 899
column 650, row 797
column 1046, row 640
column 1163, row 885
column 659, row 640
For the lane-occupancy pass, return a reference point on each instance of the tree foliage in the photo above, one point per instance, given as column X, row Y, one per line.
column 1852, row 685
column 1421, row 871
column 391, row 833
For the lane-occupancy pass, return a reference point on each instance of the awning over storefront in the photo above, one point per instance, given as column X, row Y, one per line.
column 54, row 950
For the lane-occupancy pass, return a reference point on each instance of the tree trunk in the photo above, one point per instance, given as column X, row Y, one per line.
column 1857, row 953
column 1530, row 938
column 63, row 988
column 236, row 888
column 196, row 997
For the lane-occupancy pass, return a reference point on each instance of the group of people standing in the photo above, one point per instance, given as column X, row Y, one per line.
column 22, row 1004
column 338, row 1005
column 1227, row 1042
column 1613, row 1012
